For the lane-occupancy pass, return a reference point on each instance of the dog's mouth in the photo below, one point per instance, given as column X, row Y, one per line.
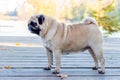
column 35, row 30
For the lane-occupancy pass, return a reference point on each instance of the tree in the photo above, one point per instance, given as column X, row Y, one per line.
column 106, row 16
column 58, row 9
column 77, row 9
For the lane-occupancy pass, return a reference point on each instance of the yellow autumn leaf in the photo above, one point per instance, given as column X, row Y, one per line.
column 18, row 44
column 7, row 67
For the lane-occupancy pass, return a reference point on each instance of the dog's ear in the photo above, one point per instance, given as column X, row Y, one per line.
column 41, row 19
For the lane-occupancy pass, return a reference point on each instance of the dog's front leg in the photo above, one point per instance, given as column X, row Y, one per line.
column 50, row 58
column 57, row 54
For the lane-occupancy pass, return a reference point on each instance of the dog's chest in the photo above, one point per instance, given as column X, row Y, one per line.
column 48, row 44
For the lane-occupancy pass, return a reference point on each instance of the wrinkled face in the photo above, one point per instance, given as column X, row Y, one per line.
column 34, row 24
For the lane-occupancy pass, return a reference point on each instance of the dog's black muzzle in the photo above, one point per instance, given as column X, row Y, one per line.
column 35, row 30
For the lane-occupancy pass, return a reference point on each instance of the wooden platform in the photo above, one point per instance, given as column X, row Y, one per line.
column 20, row 61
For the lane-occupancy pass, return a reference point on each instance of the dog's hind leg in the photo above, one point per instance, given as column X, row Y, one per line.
column 99, row 54
column 94, row 58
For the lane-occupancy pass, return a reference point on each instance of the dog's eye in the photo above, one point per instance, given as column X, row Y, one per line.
column 33, row 24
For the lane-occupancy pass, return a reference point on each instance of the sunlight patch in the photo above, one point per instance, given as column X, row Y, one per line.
column 18, row 44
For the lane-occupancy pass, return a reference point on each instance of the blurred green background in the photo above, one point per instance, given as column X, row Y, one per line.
column 106, row 12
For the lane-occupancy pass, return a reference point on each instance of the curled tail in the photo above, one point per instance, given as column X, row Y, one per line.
column 89, row 20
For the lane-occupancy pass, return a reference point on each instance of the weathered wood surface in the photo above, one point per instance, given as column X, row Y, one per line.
column 26, row 63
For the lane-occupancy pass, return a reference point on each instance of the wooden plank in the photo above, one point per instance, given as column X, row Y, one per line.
column 42, row 51
column 34, row 64
column 79, row 55
column 70, row 72
column 4, row 48
column 45, row 60
column 24, row 39
column 34, row 57
column 68, row 78
column 108, row 58
column 30, row 78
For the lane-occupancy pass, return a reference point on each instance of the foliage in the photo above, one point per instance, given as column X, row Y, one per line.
column 51, row 8
column 106, row 17
column 78, row 12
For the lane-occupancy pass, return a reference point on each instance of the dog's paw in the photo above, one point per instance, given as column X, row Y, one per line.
column 95, row 68
column 101, row 72
column 55, row 72
column 47, row 68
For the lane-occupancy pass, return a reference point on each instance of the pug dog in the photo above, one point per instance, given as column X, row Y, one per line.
column 59, row 38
